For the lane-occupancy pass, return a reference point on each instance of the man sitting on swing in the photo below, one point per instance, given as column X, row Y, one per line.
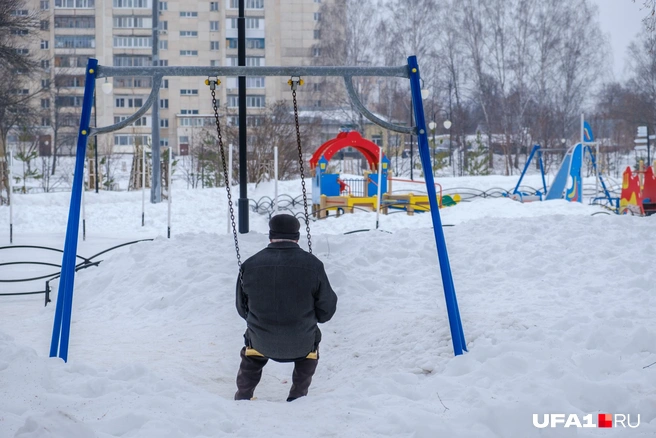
column 282, row 293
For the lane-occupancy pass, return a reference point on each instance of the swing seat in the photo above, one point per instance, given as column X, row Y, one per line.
column 253, row 352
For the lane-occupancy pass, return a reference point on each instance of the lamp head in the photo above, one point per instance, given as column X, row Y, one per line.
column 432, row 125
column 447, row 124
column 107, row 87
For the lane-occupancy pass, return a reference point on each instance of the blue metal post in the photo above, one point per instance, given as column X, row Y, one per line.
column 62, row 325
column 528, row 162
column 544, row 181
column 457, row 334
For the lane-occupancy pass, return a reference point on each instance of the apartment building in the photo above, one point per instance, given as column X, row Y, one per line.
column 198, row 33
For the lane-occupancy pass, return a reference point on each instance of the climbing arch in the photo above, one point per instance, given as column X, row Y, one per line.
column 351, row 139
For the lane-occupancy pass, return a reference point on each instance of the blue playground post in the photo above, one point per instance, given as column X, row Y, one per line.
column 62, row 326
column 536, row 149
column 457, row 334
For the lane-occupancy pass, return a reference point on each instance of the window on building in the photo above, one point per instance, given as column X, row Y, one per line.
column 251, row 61
column 251, row 101
column 188, row 52
column 45, row 103
column 163, row 123
column 133, row 22
column 79, row 4
column 69, row 81
column 188, row 33
column 44, row 24
column 163, row 6
column 188, row 14
column 74, row 22
column 163, row 141
column 163, row 25
column 22, row 51
column 45, row 121
column 183, row 139
column 164, row 83
column 132, row 4
column 214, row 6
column 164, row 103
column 316, row 52
column 255, row 43
column 133, row 42
column 45, row 83
column 163, row 62
column 249, row 4
column 133, row 82
column 132, row 60
column 214, row 45
column 75, row 42
column 215, row 63
column 253, row 23
column 45, row 5
column 20, row 31
column 317, row 34
column 188, row 111
column 254, row 82
column 163, row 44
column 317, row 16
column 68, row 101
column 44, row 44
column 214, row 26
column 188, row 92
column 45, row 64
column 130, row 140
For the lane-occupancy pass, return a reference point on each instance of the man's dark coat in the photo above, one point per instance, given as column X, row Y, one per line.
column 285, row 294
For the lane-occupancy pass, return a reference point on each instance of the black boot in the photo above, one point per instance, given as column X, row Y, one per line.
column 249, row 375
column 302, row 378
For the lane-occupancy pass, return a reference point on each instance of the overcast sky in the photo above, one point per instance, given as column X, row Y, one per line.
column 621, row 20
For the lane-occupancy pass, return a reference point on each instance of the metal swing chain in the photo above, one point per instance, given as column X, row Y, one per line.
column 300, row 162
column 226, row 177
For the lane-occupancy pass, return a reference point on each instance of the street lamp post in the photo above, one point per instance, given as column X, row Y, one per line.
column 447, row 126
column 432, row 125
column 107, row 89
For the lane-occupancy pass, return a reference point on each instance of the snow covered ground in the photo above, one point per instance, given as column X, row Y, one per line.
column 557, row 307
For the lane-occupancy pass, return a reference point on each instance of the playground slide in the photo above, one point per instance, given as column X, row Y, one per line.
column 573, row 193
column 558, row 184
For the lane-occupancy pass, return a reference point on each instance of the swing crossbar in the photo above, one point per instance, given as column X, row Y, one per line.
column 157, row 73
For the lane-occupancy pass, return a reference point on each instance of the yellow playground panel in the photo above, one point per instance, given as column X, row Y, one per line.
column 409, row 202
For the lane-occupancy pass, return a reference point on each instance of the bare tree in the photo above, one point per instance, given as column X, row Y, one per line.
column 17, row 28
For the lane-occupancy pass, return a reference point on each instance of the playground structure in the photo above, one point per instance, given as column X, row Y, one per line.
column 94, row 71
column 568, row 182
column 638, row 192
column 332, row 193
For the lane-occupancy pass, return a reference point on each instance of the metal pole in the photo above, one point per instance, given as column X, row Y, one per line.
column 84, row 214
column 228, row 222
column 582, row 152
column 380, row 182
column 143, row 185
column 275, row 174
column 62, row 324
column 457, row 334
column 648, row 147
column 10, row 198
column 95, row 138
column 156, row 184
column 243, row 177
column 170, row 190
column 412, row 161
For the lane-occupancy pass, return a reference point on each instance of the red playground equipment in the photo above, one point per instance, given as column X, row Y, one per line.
column 638, row 194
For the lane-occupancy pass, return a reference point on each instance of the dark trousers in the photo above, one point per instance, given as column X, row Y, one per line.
column 250, row 373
